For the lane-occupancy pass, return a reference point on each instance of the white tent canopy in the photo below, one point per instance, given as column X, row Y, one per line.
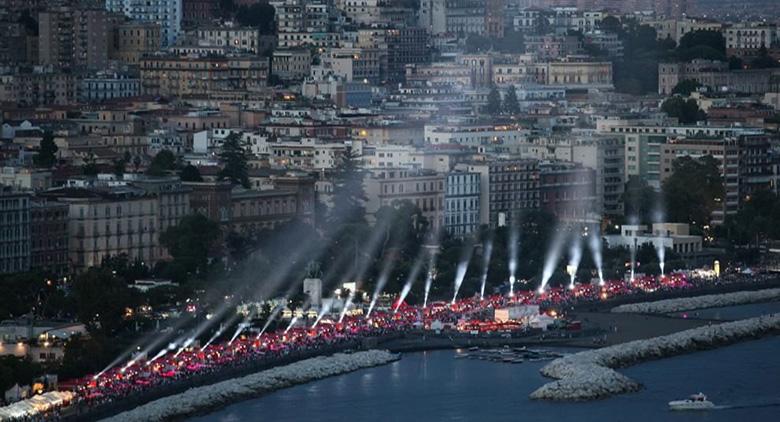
column 35, row 405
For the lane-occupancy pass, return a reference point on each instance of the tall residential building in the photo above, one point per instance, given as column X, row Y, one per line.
column 494, row 18
column 568, row 191
column 425, row 189
column 40, row 88
column 133, row 40
column 461, row 203
column 72, row 37
column 229, row 37
column 173, row 196
column 109, row 222
column 177, row 76
column 508, row 188
column 606, row 155
column 15, row 44
column 603, row 154
column 746, row 39
column 405, row 46
column 714, row 74
column 166, row 13
column 14, row 231
column 306, row 22
column 49, row 237
column 247, row 211
column 196, row 12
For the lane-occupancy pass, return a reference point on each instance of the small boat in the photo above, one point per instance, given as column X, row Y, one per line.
column 694, row 402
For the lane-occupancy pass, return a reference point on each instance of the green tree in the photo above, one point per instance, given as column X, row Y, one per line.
column 296, row 301
column 101, row 299
column 701, row 44
column 190, row 173
column 126, row 269
column 476, row 43
column 513, row 42
column 642, row 51
column 190, row 242
column 162, row 163
column 694, row 190
column 25, row 293
column 119, row 167
column 258, row 15
column 735, row 63
column 227, row 8
column 686, row 111
column 348, row 192
column 763, row 60
column 493, row 106
column 685, row 87
column 90, row 167
column 87, row 354
column 704, row 38
column 234, row 161
column 640, row 200
column 47, row 153
column 15, row 370
column 611, row 24
column 757, row 220
column 29, row 23
column 511, row 105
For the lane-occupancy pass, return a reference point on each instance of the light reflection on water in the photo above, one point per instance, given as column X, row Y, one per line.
column 733, row 312
column 433, row 386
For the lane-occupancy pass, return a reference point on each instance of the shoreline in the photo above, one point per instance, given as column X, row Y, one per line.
column 404, row 343
column 202, row 400
column 721, row 300
column 590, row 375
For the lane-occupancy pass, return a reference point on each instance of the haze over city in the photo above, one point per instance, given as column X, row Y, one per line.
column 433, row 210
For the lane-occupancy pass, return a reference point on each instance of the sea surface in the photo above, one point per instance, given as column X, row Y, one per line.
column 742, row 379
column 732, row 312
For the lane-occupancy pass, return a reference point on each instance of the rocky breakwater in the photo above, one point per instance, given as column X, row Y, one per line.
column 200, row 399
column 699, row 302
column 589, row 375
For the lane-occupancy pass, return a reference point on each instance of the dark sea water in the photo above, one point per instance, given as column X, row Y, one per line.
column 732, row 312
column 744, row 379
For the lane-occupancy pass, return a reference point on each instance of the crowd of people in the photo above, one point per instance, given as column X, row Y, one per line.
column 176, row 365
column 180, row 364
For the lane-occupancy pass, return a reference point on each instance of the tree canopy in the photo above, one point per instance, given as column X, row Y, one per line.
column 101, row 298
column 642, row 51
column 47, row 153
column 25, row 293
column 190, row 173
column 162, row 163
column 17, row 370
column 493, row 106
column 511, row 104
column 695, row 188
column 640, row 200
column 348, row 192
column 763, row 60
column 686, row 111
column 259, row 15
column 704, row 38
column 685, row 87
column 234, row 161
column 758, row 219
column 190, row 241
